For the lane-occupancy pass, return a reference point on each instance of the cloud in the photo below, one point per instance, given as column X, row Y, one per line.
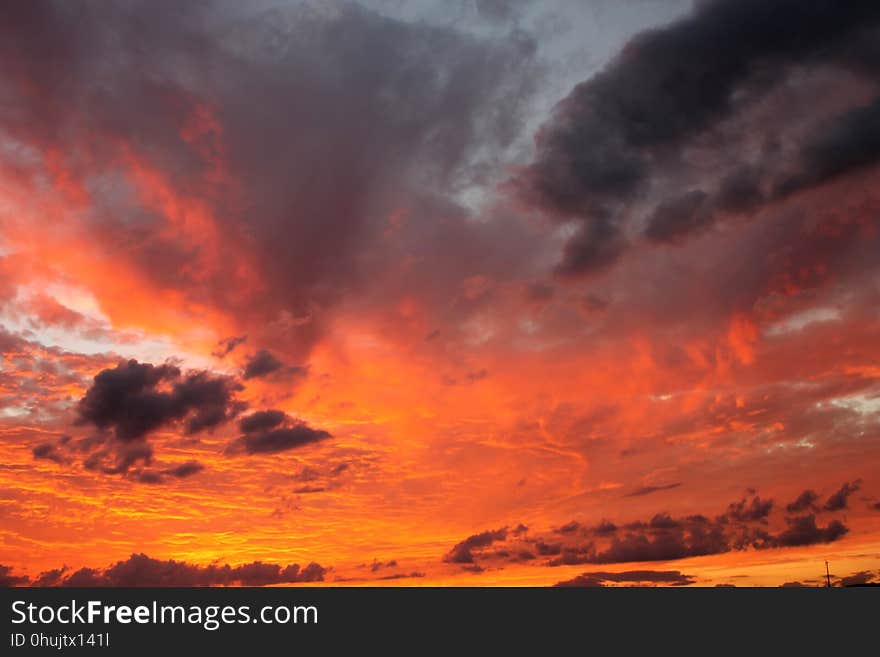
column 858, row 579
column 263, row 363
column 678, row 218
column 670, row 577
column 463, row 552
column 141, row 570
column 837, row 501
column 647, row 490
column 378, row 565
column 619, row 138
column 806, row 500
column 49, row 452
column 228, row 345
column 7, row 579
column 604, row 528
column 844, row 144
column 279, row 440
column 261, row 421
column 187, row 469
column 352, row 116
column 134, row 399
column 744, row 511
column 402, row 575
column 802, row 530
column 271, row 431
column 51, row 577
column 745, row 525
column 640, row 547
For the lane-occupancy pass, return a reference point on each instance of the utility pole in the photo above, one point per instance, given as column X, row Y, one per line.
column 827, row 576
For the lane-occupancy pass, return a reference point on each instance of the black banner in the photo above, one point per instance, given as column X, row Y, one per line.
column 331, row 620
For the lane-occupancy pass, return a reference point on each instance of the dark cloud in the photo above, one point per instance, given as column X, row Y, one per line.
column 663, row 521
column 279, row 440
column 49, row 452
column 745, row 525
column 287, row 107
column 595, row 245
column 845, row 144
column 51, row 577
column 749, row 511
column 149, row 477
column 228, row 345
column 740, row 190
column 84, row 577
column 547, row 549
column 678, row 218
column 402, row 575
column 838, row 500
column 134, row 399
column 806, row 500
column 271, row 431
column 263, row 363
column 647, row 490
column 640, row 547
column 574, row 555
column 802, row 530
column 122, row 459
column 858, row 579
column 622, row 130
column 379, row 565
column 261, row 421
column 670, row 577
column 128, row 402
column 141, row 570
column 7, row 579
column 604, row 528
column 184, row 470
column 463, row 552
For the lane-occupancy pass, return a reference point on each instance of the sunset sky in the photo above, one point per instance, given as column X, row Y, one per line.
column 414, row 292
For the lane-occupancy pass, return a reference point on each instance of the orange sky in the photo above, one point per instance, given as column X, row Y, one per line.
column 459, row 340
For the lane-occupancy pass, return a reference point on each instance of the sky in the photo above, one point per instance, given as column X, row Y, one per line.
column 482, row 292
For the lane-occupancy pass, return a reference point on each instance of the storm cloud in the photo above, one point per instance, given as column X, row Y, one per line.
column 304, row 130
column 272, row 431
column 133, row 399
column 619, row 133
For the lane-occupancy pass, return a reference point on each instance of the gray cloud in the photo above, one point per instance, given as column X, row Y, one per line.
column 670, row 577
column 272, row 431
column 619, row 133
column 838, row 500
